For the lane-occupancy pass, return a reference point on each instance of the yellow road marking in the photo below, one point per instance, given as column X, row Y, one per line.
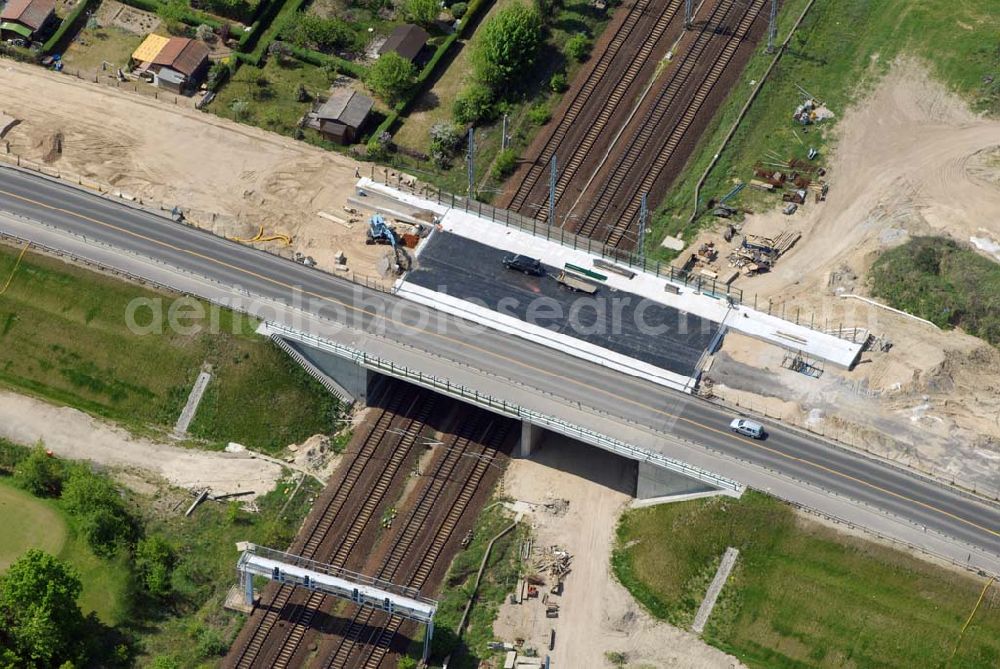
column 521, row 363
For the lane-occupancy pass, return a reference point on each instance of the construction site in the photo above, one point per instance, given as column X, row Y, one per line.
column 758, row 312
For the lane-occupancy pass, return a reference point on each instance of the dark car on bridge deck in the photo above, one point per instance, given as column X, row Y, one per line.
column 524, row 264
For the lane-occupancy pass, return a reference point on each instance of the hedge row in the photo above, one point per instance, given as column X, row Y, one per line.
column 62, row 36
column 321, row 59
column 253, row 41
column 190, row 17
column 469, row 19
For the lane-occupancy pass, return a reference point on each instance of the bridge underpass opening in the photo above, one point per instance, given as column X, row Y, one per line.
column 647, row 482
column 365, row 371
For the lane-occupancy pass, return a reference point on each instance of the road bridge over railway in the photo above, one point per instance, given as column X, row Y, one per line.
column 795, row 466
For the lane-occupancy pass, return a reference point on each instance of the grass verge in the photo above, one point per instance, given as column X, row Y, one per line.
column 838, row 53
column 64, row 337
column 499, row 578
column 195, row 630
column 802, row 594
column 936, row 279
column 267, row 96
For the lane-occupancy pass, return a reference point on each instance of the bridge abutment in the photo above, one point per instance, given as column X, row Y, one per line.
column 655, row 482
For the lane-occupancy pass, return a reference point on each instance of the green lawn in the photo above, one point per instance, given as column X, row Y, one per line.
column 63, row 337
column 802, row 595
column 499, row 579
column 270, row 93
column 94, row 46
column 30, row 522
column 839, row 52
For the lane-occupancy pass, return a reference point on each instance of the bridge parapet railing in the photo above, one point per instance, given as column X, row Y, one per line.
column 510, row 409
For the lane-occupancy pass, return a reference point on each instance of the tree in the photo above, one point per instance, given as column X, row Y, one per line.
column 508, row 45
column 154, row 563
column 474, row 104
column 39, row 617
column 459, row 9
column 40, row 473
column 391, row 77
column 172, row 14
column 217, row 75
column 424, row 12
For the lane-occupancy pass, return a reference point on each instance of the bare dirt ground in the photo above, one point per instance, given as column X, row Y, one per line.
column 227, row 177
column 73, row 434
column 596, row 615
column 910, row 160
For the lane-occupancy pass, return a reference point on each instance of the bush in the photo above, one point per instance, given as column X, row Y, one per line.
column 424, row 12
column 204, row 33
column 505, row 163
column 459, row 9
column 539, row 114
column 210, row 644
column 948, row 284
column 99, row 510
column 474, row 104
column 578, row 47
column 446, row 140
column 507, row 45
column 238, row 10
column 218, row 74
column 558, row 82
column 392, row 77
column 11, row 455
column 379, row 146
column 40, row 474
column 154, row 563
column 240, row 109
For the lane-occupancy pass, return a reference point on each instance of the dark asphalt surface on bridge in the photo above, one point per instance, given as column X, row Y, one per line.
column 794, row 455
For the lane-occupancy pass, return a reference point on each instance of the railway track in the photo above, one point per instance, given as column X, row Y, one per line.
column 379, row 638
column 250, row 654
column 639, row 147
column 301, row 622
column 583, row 96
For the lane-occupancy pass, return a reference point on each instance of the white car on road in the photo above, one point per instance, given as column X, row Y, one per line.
column 749, row 428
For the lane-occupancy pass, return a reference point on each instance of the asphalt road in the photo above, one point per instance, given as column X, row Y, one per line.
column 792, row 454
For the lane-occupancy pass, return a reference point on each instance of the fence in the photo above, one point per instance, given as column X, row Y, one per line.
column 513, row 410
column 706, row 285
column 110, row 78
